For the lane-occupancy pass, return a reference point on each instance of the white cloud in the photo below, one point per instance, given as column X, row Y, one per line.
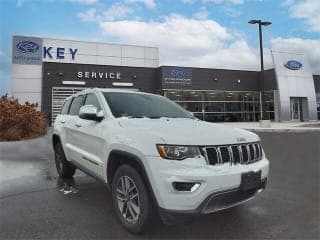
column 1, row 53
column 237, row 2
column 287, row 2
column 115, row 12
column 202, row 13
column 186, row 42
column 203, row 43
column 89, row 16
column 148, row 3
column 229, row 7
column 85, row 2
column 308, row 10
column 188, row 1
column 309, row 46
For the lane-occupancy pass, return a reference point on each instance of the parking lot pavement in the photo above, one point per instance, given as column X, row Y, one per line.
column 35, row 204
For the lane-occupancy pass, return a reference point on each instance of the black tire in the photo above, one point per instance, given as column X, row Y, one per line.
column 145, row 215
column 64, row 168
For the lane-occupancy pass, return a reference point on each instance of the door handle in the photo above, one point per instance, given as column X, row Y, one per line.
column 62, row 121
column 78, row 125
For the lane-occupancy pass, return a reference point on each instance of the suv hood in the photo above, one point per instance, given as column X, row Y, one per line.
column 183, row 131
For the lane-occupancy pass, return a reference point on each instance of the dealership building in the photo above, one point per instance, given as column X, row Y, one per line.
column 46, row 71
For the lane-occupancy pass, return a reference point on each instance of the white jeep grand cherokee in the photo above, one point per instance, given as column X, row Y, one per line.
column 155, row 156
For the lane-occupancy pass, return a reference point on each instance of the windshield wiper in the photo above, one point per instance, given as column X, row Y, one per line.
column 176, row 117
column 144, row 116
column 136, row 116
column 154, row 117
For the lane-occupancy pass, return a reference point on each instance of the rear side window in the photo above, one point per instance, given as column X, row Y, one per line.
column 91, row 99
column 65, row 107
column 76, row 105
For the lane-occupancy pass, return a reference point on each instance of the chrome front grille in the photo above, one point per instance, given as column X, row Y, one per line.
column 234, row 154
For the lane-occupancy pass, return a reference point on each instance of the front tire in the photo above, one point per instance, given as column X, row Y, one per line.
column 131, row 199
column 64, row 168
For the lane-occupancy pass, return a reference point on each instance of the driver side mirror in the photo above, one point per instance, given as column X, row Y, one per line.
column 90, row 112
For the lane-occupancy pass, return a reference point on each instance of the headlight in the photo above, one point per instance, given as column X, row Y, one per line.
column 178, row 152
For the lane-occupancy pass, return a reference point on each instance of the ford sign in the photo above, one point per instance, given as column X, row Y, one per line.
column 27, row 47
column 177, row 73
column 293, row 65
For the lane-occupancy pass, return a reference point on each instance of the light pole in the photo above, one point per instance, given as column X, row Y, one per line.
column 261, row 23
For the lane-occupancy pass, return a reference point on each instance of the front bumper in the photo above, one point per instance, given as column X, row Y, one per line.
column 214, row 179
column 213, row 203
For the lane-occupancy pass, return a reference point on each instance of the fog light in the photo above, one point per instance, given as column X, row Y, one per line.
column 186, row 186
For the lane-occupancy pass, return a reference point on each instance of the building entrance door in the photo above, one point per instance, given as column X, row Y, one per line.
column 296, row 109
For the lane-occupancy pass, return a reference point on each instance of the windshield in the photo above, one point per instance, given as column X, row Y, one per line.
column 143, row 105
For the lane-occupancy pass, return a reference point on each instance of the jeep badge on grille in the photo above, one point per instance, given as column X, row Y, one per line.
column 241, row 139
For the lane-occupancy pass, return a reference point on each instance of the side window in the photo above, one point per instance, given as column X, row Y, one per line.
column 65, row 107
column 76, row 105
column 91, row 99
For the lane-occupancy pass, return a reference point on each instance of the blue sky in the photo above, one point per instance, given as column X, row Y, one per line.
column 203, row 33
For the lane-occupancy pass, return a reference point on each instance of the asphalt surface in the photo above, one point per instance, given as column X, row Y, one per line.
column 36, row 204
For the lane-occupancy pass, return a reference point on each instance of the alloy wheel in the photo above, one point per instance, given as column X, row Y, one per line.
column 128, row 199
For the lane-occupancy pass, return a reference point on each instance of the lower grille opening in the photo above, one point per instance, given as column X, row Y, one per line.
column 231, row 198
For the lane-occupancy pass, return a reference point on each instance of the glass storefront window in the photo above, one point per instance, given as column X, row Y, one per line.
column 214, row 107
column 198, row 115
column 233, row 107
column 249, row 107
column 268, row 96
column 191, row 106
column 249, row 117
column 270, row 115
column 217, row 106
column 174, row 95
column 268, row 106
column 234, row 96
column 256, row 96
column 214, row 96
column 247, row 97
column 214, row 117
column 194, row 106
column 233, row 117
column 192, row 96
column 251, row 96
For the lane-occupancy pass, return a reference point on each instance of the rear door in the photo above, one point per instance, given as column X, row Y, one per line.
column 62, row 119
column 71, row 130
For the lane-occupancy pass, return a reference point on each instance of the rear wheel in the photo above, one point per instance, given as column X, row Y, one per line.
column 64, row 168
column 131, row 199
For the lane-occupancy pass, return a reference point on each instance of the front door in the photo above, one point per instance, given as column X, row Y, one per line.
column 89, row 140
column 296, row 109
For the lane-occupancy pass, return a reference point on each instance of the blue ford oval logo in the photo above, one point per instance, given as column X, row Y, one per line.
column 293, row 65
column 27, row 47
column 177, row 73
